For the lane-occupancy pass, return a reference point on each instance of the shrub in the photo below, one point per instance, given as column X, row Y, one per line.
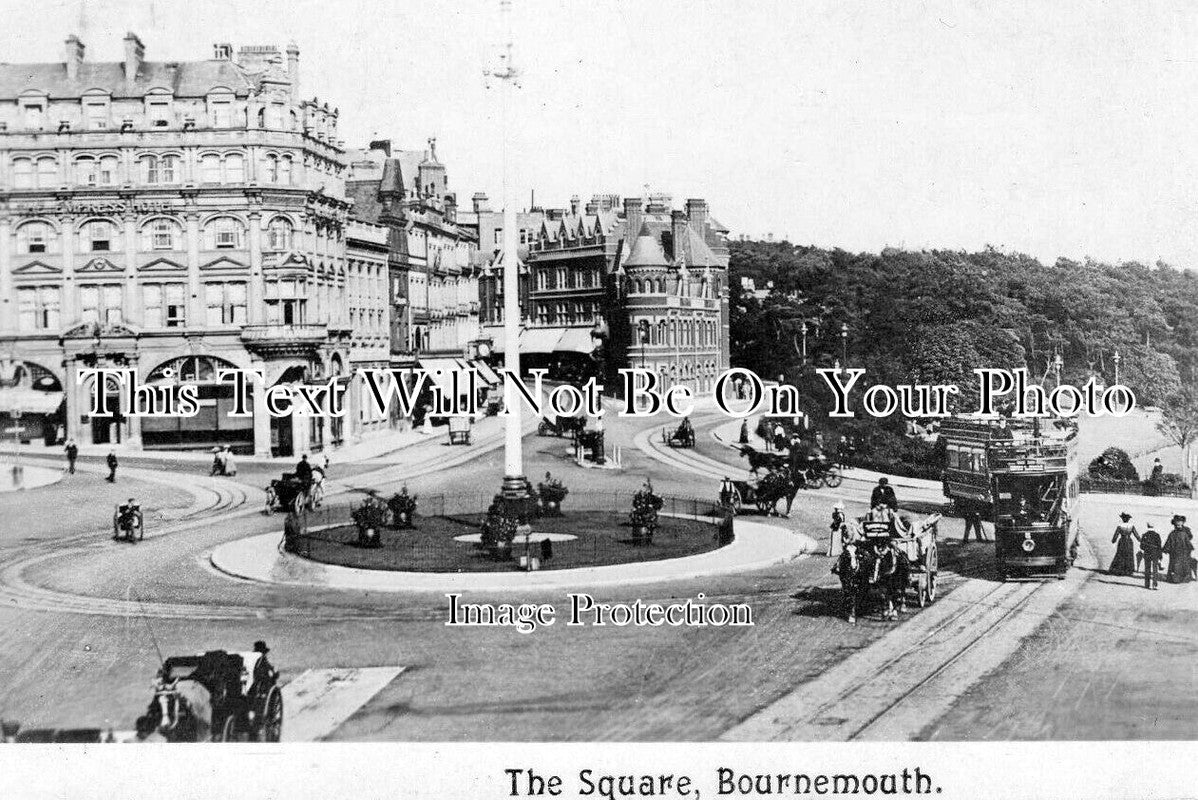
column 1113, row 464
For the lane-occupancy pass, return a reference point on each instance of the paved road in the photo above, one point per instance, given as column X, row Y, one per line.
column 81, row 620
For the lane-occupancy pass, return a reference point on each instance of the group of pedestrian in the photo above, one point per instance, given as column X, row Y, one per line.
column 1178, row 546
column 223, row 461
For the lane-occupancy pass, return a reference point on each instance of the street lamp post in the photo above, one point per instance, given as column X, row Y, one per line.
column 1117, row 359
column 844, row 343
column 515, row 485
column 643, row 327
column 803, row 332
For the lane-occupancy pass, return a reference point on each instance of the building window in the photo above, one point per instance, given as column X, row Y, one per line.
column 34, row 237
column 224, row 233
column 22, row 173
column 221, row 114
column 95, row 116
column 279, row 235
column 162, row 234
column 225, row 303
column 47, row 173
column 35, row 117
column 285, row 303
column 100, row 171
column 101, row 303
column 38, row 307
column 159, row 169
column 210, row 168
column 158, row 111
column 499, row 236
column 165, row 305
column 234, row 168
column 100, row 237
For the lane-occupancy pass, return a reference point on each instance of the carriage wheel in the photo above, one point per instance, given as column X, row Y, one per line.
column 833, row 478
column 766, row 507
column 141, row 530
column 931, row 586
column 226, row 732
column 272, row 717
column 299, row 502
column 316, row 496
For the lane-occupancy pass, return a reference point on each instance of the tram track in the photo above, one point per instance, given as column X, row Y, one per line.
column 229, row 503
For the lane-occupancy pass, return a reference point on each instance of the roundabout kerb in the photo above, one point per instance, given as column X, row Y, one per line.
column 695, row 540
column 591, row 529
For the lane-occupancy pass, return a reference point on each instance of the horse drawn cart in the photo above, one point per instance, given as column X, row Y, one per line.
column 289, row 493
column 128, row 524
column 561, row 426
column 886, row 557
column 217, row 696
column 682, row 436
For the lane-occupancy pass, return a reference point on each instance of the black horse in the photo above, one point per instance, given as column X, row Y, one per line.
column 873, row 568
column 758, row 459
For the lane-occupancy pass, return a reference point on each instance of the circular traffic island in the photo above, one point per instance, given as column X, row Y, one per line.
column 453, row 543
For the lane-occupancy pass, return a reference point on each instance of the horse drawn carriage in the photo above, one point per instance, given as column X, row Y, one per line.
column 291, row 493
column 886, row 557
column 217, row 696
column 682, row 436
column 128, row 524
column 782, row 482
column 561, row 426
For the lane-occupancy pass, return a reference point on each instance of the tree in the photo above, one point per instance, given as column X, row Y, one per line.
column 1179, row 420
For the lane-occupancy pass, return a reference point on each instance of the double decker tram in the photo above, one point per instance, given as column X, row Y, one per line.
column 1025, row 480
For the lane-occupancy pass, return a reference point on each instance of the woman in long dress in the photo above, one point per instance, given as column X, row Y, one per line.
column 1124, row 562
column 1178, row 547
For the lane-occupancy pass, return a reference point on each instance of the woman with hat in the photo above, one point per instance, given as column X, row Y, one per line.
column 1178, row 546
column 1125, row 549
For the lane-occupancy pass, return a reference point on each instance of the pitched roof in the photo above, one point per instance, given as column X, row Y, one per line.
column 698, row 253
column 365, row 195
column 646, row 250
column 183, row 78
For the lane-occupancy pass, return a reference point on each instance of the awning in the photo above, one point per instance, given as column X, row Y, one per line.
column 540, row 340
column 440, row 374
column 29, row 401
column 576, row 340
column 486, row 372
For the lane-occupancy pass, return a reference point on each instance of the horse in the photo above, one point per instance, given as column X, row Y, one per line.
column 180, row 712
column 775, row 486
column 866, row 571
column 757, row 459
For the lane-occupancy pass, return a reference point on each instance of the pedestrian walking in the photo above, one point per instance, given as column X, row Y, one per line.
column 1156, row 478
column 744, row 432
column 1124, row 562
column 72, row 450
column 779, row 437
column 837, row 528
column 973, row 522
column 1150, row 555
column 112, row 464
column 1178, row 546
column 230, row 462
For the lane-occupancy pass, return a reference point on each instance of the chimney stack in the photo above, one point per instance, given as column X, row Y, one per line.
column 451, row 207
column 74, row 56
column 592, row 207
column 293, row 69
column 480, row 202
column 677, row 232
column 135, row 54
column 632, row 216
column 382, row 144
column 222, row 51
column 696, row 212
column 574, row 201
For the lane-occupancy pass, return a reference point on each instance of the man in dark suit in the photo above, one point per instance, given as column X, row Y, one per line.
column 112, row 463
column 883, row 495
column 1150, row 550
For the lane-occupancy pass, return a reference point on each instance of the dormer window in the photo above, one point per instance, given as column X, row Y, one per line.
column 35, row 116
column 221, row 114
column 95, row 115
column 158, row 111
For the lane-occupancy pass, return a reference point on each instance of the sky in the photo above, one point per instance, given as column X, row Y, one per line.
column 1055, row 129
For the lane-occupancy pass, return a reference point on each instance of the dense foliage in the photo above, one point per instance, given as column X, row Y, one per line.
column 934, row 316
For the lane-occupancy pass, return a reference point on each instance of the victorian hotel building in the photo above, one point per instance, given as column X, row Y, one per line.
column 176, row 218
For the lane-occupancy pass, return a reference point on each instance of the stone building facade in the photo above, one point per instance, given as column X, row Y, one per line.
column 174, row 218
column 644, row 280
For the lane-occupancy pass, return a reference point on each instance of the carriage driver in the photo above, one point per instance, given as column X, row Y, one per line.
column 264, row 675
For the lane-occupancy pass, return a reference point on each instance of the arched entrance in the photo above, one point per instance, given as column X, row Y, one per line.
column 213, row 426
